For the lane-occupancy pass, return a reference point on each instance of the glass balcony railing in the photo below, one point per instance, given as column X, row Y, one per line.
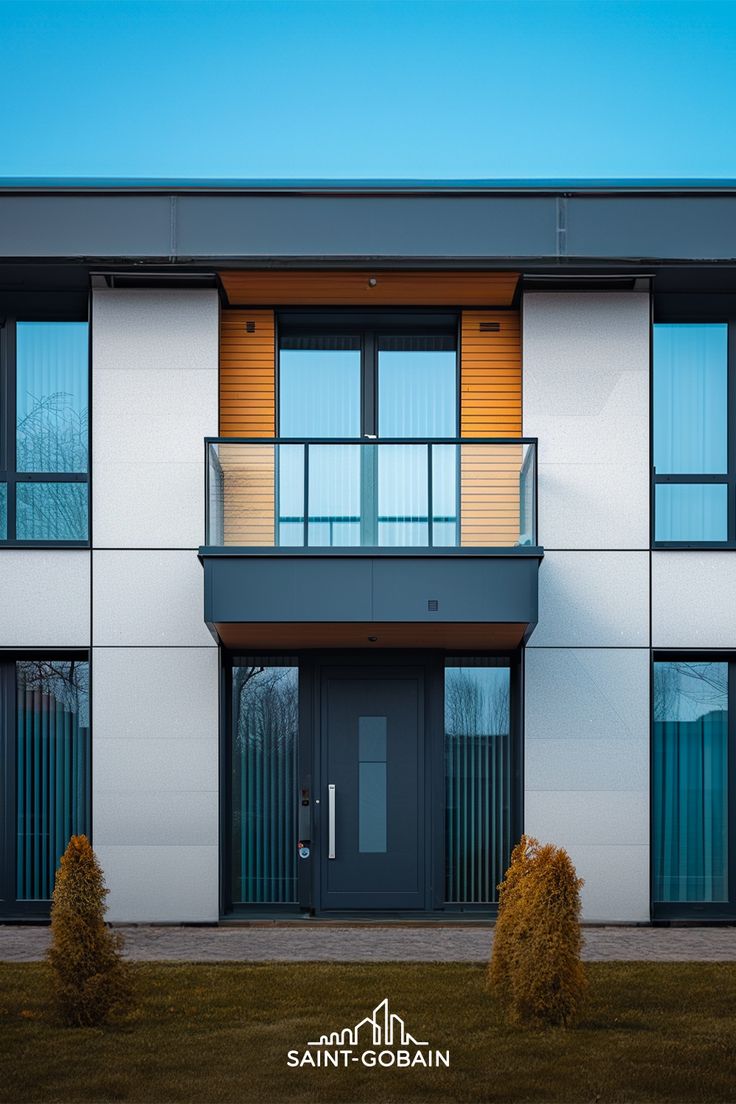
column 377, row 494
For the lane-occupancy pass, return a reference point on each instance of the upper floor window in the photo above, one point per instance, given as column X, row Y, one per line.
column 694, row 471
column 389, row 379
column 44, row 434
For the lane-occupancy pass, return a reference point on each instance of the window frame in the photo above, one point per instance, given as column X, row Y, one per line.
column 683, row 479
column 10, row 907
column 369, row 326
column 695, row 910
column 8, row 422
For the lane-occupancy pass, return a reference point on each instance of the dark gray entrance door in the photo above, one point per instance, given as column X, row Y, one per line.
column 372, row 800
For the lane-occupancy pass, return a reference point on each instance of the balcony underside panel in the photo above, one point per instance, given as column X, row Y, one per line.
column 454, row 601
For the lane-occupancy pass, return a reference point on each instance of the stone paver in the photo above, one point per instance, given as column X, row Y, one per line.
column 313, row 942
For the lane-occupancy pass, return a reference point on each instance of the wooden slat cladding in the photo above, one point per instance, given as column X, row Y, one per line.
column 247, row 374
column 490, row 368
column 490, row 495
column 348, row 288
column 249, row 494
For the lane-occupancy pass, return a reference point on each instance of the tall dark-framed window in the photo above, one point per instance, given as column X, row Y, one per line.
column 482, row 777
column 693, row 786
column 44, row 433
column 261, row 788
column 45, row 772
column 694, row 454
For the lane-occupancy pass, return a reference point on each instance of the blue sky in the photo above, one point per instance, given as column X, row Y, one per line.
column 416, row 89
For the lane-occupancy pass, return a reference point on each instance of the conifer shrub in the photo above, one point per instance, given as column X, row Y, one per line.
column 535, row 967
column 90, row 978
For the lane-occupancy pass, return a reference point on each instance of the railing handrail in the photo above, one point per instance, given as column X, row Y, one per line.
column 371, row 441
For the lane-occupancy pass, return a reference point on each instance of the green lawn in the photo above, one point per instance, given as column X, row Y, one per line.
column 652, row 1032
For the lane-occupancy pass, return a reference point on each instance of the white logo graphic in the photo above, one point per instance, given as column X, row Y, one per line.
column 383, row 1032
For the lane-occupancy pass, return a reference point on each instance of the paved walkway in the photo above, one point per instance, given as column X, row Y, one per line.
column 354, row 943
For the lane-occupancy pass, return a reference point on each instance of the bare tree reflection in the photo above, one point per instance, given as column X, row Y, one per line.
column 52, row 437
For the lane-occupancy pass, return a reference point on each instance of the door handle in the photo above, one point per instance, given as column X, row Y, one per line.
column 331, row 820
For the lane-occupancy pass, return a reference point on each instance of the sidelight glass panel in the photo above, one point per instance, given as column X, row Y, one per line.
column 690, row 782
column 51, row 511
column 52, row 768
column 691, row 512
column 417, row 386
column 265, row 725
column 3, row 511
column 320, row 386
column 478, row 775
column 52, row 396
column 372, row 784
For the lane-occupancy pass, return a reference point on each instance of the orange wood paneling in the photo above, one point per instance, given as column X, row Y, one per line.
column 247, row 374
column 347, row 288
column 249, row 500
column 247, row 409
column 490, row 370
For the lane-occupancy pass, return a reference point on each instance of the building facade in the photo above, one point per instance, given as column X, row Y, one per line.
column 348, row 531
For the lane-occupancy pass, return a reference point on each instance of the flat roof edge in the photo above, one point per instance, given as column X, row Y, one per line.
column 366, row 187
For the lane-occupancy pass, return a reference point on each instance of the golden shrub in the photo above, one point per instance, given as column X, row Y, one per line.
column 535, row 966
column 90, row 978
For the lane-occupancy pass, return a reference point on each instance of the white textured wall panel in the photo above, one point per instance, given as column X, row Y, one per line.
column 44, row 598
column 154, row 399
column 586, row 397
column 593, row 599
column 694, row 599
column 141, row 693
column 161, row 884
column 587, row 769
column 155, row 778
column 149, row 599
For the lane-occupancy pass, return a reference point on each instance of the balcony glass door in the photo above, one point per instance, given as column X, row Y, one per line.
column 369, row 385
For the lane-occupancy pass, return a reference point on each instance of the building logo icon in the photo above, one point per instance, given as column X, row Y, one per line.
column 379, row 1039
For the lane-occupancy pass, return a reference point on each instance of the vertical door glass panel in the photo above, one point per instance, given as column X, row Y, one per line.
column 691, row 512
column 265, row 715
column 417, row 386
column 690, row 782
column 320, row 386
column 3, row 511
column 403, row 495
column 372, row 785
column 52, row 395
column 690, row 399
column 51, row 511
column 477, row 782
column 334, row 494
column 444, row 494
column 52, row 768
column 291, row 495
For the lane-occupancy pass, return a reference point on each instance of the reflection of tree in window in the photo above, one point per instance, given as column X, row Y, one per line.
column 477, row 782
column 264, row 734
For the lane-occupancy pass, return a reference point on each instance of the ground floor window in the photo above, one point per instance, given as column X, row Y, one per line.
column 692, row 777
column 478, row 779
column 263, row 780
column 46, row 772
